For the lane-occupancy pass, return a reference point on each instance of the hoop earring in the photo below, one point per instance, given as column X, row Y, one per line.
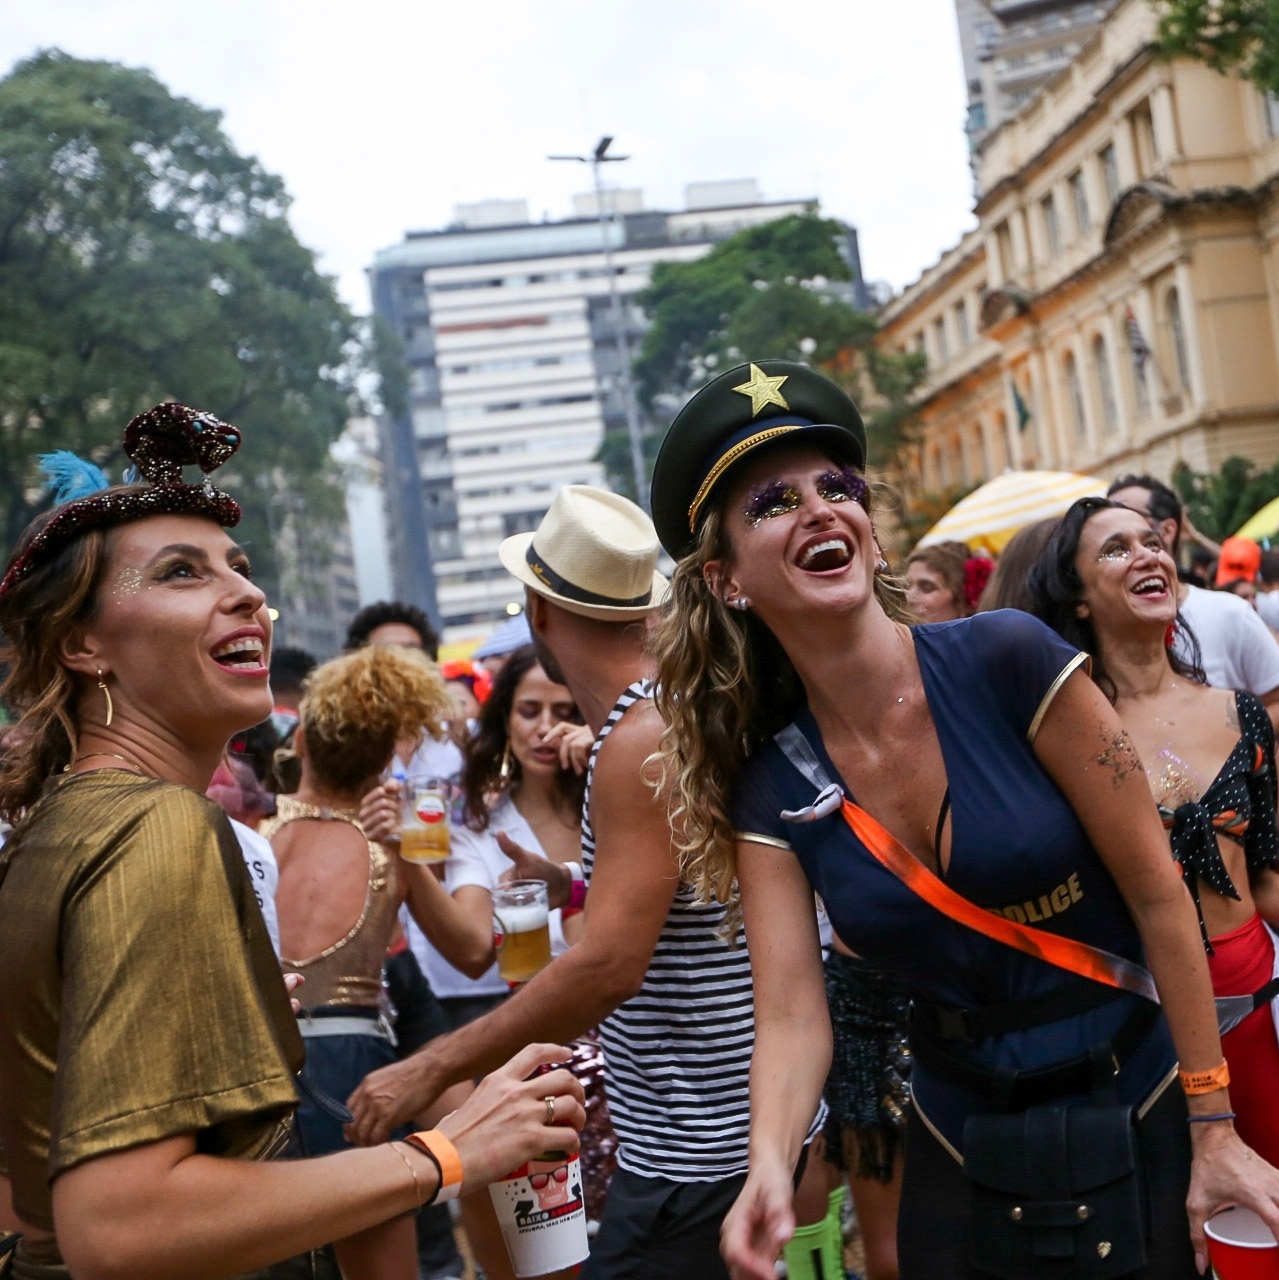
column 506, row 768
column 102, row 684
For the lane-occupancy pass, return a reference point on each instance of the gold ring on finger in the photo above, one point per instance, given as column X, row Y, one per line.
column 550, row 1110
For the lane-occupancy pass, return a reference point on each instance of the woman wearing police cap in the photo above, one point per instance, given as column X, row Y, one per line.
column 147, row 1049
column 968, row 808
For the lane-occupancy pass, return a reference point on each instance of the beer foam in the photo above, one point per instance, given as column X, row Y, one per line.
column 522, row 919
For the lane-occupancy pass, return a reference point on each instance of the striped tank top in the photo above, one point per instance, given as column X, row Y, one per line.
column 677, row 1054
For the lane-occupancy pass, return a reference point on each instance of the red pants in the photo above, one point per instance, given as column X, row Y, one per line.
column 1242, row 962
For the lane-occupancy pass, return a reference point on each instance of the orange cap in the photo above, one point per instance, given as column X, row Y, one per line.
column 1240, row 558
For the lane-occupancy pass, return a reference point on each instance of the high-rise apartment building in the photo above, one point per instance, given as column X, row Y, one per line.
column 1012, row 48
column 514, row 373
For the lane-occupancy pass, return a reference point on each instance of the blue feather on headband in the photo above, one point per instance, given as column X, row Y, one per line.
column 71, row 477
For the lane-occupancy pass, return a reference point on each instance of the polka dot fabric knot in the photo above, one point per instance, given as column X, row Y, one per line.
column 1239, row 805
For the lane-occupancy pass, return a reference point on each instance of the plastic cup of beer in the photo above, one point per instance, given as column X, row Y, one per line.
column 523, row 928
column 424, row 819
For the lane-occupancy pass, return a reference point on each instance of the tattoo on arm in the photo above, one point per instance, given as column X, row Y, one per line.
column 1120, row 757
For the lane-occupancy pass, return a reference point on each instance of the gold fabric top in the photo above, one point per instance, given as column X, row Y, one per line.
column 350, row 971
column 140, row 998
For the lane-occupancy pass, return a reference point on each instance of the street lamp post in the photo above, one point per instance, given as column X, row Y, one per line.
column 597, row 158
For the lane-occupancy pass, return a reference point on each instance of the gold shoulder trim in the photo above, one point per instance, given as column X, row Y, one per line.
column 754, row 837
column 1080, row 659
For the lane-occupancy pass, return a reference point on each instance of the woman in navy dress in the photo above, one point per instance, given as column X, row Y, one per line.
column 983, row 746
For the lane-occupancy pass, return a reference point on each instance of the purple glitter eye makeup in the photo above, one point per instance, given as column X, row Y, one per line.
column 774, row 499
column 844, row 485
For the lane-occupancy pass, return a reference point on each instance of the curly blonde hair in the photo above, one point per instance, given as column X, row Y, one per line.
column 724, row 685
column 355, row 708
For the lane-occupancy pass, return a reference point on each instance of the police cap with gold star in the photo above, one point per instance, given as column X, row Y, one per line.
column 746, row 409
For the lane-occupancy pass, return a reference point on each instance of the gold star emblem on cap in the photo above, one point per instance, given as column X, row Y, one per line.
column 763, row 390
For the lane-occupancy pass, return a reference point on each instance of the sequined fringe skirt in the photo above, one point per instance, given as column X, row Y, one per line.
column 868, row 1089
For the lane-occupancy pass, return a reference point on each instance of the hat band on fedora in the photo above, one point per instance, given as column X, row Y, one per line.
column 726, row 460
column 571, row 591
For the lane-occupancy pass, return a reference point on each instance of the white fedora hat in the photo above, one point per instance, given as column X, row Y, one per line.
column 594, row 553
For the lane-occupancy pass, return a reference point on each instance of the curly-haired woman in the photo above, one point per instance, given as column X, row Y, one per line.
column 1007, row 780
column 1105, row 584
column 147, row 1047
column 339, row 892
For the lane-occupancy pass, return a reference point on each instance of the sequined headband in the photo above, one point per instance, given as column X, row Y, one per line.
column 159, row 442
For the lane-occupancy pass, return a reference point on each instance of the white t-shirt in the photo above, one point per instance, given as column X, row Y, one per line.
column 441, row 758
column 264, row 871
column 1268, row 608
column 1236, row 649
column 478, row 859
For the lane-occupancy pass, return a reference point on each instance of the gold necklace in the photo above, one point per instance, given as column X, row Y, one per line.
column 90, row 755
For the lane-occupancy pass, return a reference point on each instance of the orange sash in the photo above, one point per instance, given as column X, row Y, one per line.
column 1065, row 953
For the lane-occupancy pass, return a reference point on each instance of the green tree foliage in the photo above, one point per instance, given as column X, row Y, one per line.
column 768, row 292
column 1229, row 35
column 142, row 257
column 1220, row 502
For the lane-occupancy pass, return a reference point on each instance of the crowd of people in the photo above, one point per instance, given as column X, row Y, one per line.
column 952, row 894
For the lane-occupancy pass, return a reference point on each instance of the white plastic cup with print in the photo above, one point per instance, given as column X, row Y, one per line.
column 523, row 932
column 424, row 819
column 542, row 1214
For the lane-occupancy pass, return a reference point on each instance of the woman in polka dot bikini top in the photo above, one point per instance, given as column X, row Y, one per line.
column 1105, row 584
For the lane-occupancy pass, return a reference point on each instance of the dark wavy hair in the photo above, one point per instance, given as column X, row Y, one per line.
column 376, row 615
column 1056, row 590
column 482, row 776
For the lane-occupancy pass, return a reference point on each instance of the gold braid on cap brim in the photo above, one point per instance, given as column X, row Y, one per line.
column 723, row 464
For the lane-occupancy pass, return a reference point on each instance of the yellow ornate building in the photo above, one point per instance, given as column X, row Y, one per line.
column 1117, row 307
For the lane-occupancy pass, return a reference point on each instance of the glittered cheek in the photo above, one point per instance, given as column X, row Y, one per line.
column 128, row 582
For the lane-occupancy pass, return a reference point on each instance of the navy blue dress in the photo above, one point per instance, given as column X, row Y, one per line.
column 1017, row 848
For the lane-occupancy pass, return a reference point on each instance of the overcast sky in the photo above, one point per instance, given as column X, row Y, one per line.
column 383, row 114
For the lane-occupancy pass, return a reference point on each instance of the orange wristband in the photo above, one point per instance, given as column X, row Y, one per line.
column 1195, row 1082
column 433, row 1143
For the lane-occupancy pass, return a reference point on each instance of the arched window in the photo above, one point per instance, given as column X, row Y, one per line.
column 958, row 462
column 1105, row 383
column 1075, row 392
column 986, row 463
column 1177, row 328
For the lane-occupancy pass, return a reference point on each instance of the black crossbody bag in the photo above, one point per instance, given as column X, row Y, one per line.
column 1056, row 1188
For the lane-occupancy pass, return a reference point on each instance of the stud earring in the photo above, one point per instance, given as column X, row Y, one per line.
column 740, row 603
column 106, row 693
column 882, row 566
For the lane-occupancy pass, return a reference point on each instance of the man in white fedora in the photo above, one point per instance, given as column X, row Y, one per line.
column 672, row 999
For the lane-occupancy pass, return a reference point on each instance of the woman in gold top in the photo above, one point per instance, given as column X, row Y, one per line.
column 339, row 893
column 147, row 1048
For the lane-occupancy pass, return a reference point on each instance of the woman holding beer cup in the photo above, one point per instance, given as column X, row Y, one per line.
column 521, row 804
column 147, row 1048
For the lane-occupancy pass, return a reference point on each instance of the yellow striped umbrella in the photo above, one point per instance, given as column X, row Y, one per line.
column 1265, row 524
column 988, row 517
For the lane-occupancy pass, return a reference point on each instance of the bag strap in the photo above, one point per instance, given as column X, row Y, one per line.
column 1063, row 953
